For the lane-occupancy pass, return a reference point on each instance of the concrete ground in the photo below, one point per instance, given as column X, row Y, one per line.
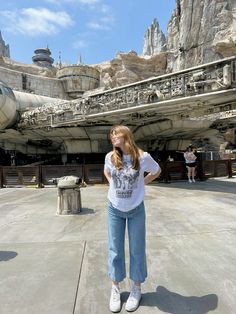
column 52, row 264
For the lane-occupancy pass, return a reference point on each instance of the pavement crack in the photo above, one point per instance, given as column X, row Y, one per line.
column 79, row 276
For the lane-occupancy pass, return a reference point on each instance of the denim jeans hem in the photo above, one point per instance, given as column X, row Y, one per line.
column 116, row 279
column 138, row 280
column 133, row 279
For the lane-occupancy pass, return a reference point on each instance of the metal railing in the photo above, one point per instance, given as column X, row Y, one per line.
column 41, row 176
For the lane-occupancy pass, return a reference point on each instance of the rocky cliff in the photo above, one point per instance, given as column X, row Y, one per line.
column 201, row 32
column 198, row 32
column 4, row 49
column 127, row 68
column 154, row 40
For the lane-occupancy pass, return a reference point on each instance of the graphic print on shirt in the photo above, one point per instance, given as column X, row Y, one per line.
column 190, row 157
column 125, row 181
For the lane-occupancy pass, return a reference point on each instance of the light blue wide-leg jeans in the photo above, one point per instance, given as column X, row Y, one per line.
column 135, row 219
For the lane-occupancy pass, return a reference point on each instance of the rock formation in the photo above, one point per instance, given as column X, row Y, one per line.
column 198, row 32
column 154, row 40
column 4, row 49
column 128, row 67
column 201, row 32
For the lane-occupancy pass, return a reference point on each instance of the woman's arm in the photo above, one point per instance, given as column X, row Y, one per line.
column 107, row 175
column 150, row 177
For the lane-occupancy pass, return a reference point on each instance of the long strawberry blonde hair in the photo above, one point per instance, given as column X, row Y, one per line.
column 130, row 147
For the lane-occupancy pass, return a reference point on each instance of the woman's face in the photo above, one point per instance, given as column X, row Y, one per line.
column 117, row 140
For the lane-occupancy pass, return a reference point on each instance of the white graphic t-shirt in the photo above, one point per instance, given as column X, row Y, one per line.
column 126, row 190
column 189, row 157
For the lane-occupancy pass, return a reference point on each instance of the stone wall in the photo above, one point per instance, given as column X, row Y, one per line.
column 28, row 68
column 35, row 84
column 78, row 78
column 65, row 82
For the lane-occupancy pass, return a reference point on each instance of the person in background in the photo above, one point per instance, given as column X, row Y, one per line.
column 124, row 169
column 190, row 162
column 170, row 158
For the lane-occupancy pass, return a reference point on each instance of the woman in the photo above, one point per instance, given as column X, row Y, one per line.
column 190, row 162
column 124, row 169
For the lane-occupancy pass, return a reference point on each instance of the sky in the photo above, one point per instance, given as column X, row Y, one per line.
column 91, row 30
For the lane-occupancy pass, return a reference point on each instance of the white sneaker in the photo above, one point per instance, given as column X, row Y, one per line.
column 193, row 180
column 115, row 303
column 189, row 180
column 134, row 299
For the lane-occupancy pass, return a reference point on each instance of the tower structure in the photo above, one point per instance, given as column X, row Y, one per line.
column 42, row 57
column 78, row 79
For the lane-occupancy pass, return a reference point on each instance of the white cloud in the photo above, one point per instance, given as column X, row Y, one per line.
column 36, row 21
column 80, row 44
column 89, row 2
column 104, row 18
column 52, row 1
column 61, row 2
column 107, row 19
column 105, row 9
column 97, row 26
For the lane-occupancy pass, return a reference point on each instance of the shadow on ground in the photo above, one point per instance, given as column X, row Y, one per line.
column 174, row 303
column 86, row 211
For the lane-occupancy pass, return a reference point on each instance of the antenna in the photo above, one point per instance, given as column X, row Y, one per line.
column 79, row 59
column 60, row 64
